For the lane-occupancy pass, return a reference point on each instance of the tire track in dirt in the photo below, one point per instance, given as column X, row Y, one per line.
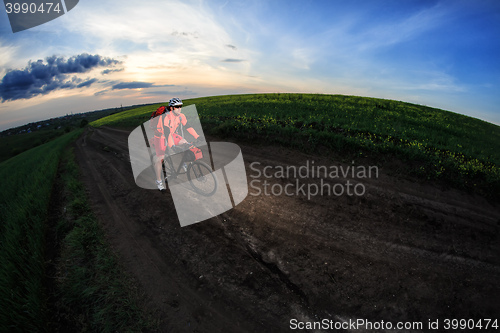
column 132, row 239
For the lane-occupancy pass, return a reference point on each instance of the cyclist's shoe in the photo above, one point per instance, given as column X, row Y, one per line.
column 159, row 183
column 185, row 167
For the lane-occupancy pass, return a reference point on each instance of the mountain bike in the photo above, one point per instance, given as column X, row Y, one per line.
column 199, row 174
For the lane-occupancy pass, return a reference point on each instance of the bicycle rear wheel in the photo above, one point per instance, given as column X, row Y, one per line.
column 201, row 178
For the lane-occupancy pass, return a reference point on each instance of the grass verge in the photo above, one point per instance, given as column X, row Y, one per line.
column 24, row 198
column 95, row 293
column 92, row 292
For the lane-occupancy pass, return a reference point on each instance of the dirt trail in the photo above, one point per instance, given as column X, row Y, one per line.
column 401, row 252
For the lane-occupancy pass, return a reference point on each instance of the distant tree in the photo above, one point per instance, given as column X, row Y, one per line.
column 84, row 123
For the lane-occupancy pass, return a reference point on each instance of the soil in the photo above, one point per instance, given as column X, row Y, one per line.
column 404, row 251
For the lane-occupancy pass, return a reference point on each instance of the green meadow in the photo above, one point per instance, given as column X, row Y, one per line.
column 86, row 285
column 432, row 144
column 25, row 190
column 15, row 144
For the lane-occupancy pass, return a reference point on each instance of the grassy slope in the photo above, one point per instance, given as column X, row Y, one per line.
column 92, row 290
column 24, row 197
column 433, row 143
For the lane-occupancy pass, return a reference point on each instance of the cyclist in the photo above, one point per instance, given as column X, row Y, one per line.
column 171, row 123
column 167, row 135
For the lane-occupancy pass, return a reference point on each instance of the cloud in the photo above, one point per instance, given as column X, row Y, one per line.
column 170, row 93
column 132, row 85
column 41, row 78
column 232, row 60
column 193, row 38
column 109, row 71
column 434, row 81
column 7, row 53
column 138, row 85
column 102, row 92
column 194, row 35
column 80, row 64
column 404, row 29
column 87, row 83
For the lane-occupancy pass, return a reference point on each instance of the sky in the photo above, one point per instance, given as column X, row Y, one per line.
column 104, row 54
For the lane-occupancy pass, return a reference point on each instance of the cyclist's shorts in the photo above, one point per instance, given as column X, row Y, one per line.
column 160, row 146
column 176, row 138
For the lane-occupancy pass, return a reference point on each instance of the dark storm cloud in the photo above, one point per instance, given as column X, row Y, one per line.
column 137, row 85
column 40, row 78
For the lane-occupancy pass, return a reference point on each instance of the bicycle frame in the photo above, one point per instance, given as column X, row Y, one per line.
column 199, row 174
column 171, row 167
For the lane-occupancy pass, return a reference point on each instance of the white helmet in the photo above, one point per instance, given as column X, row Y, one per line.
column 175, row 102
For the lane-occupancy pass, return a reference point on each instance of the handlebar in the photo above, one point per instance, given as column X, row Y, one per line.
column 185, row 146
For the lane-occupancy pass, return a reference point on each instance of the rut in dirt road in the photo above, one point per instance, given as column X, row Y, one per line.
column 401, row 252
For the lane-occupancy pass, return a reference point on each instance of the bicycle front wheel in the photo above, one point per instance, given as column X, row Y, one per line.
column 201, row 178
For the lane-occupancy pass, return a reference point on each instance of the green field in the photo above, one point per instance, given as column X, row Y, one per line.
column 433, row 144
column 15, row 144
column 16, row 140
column 24, row 198
column 92, row 292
